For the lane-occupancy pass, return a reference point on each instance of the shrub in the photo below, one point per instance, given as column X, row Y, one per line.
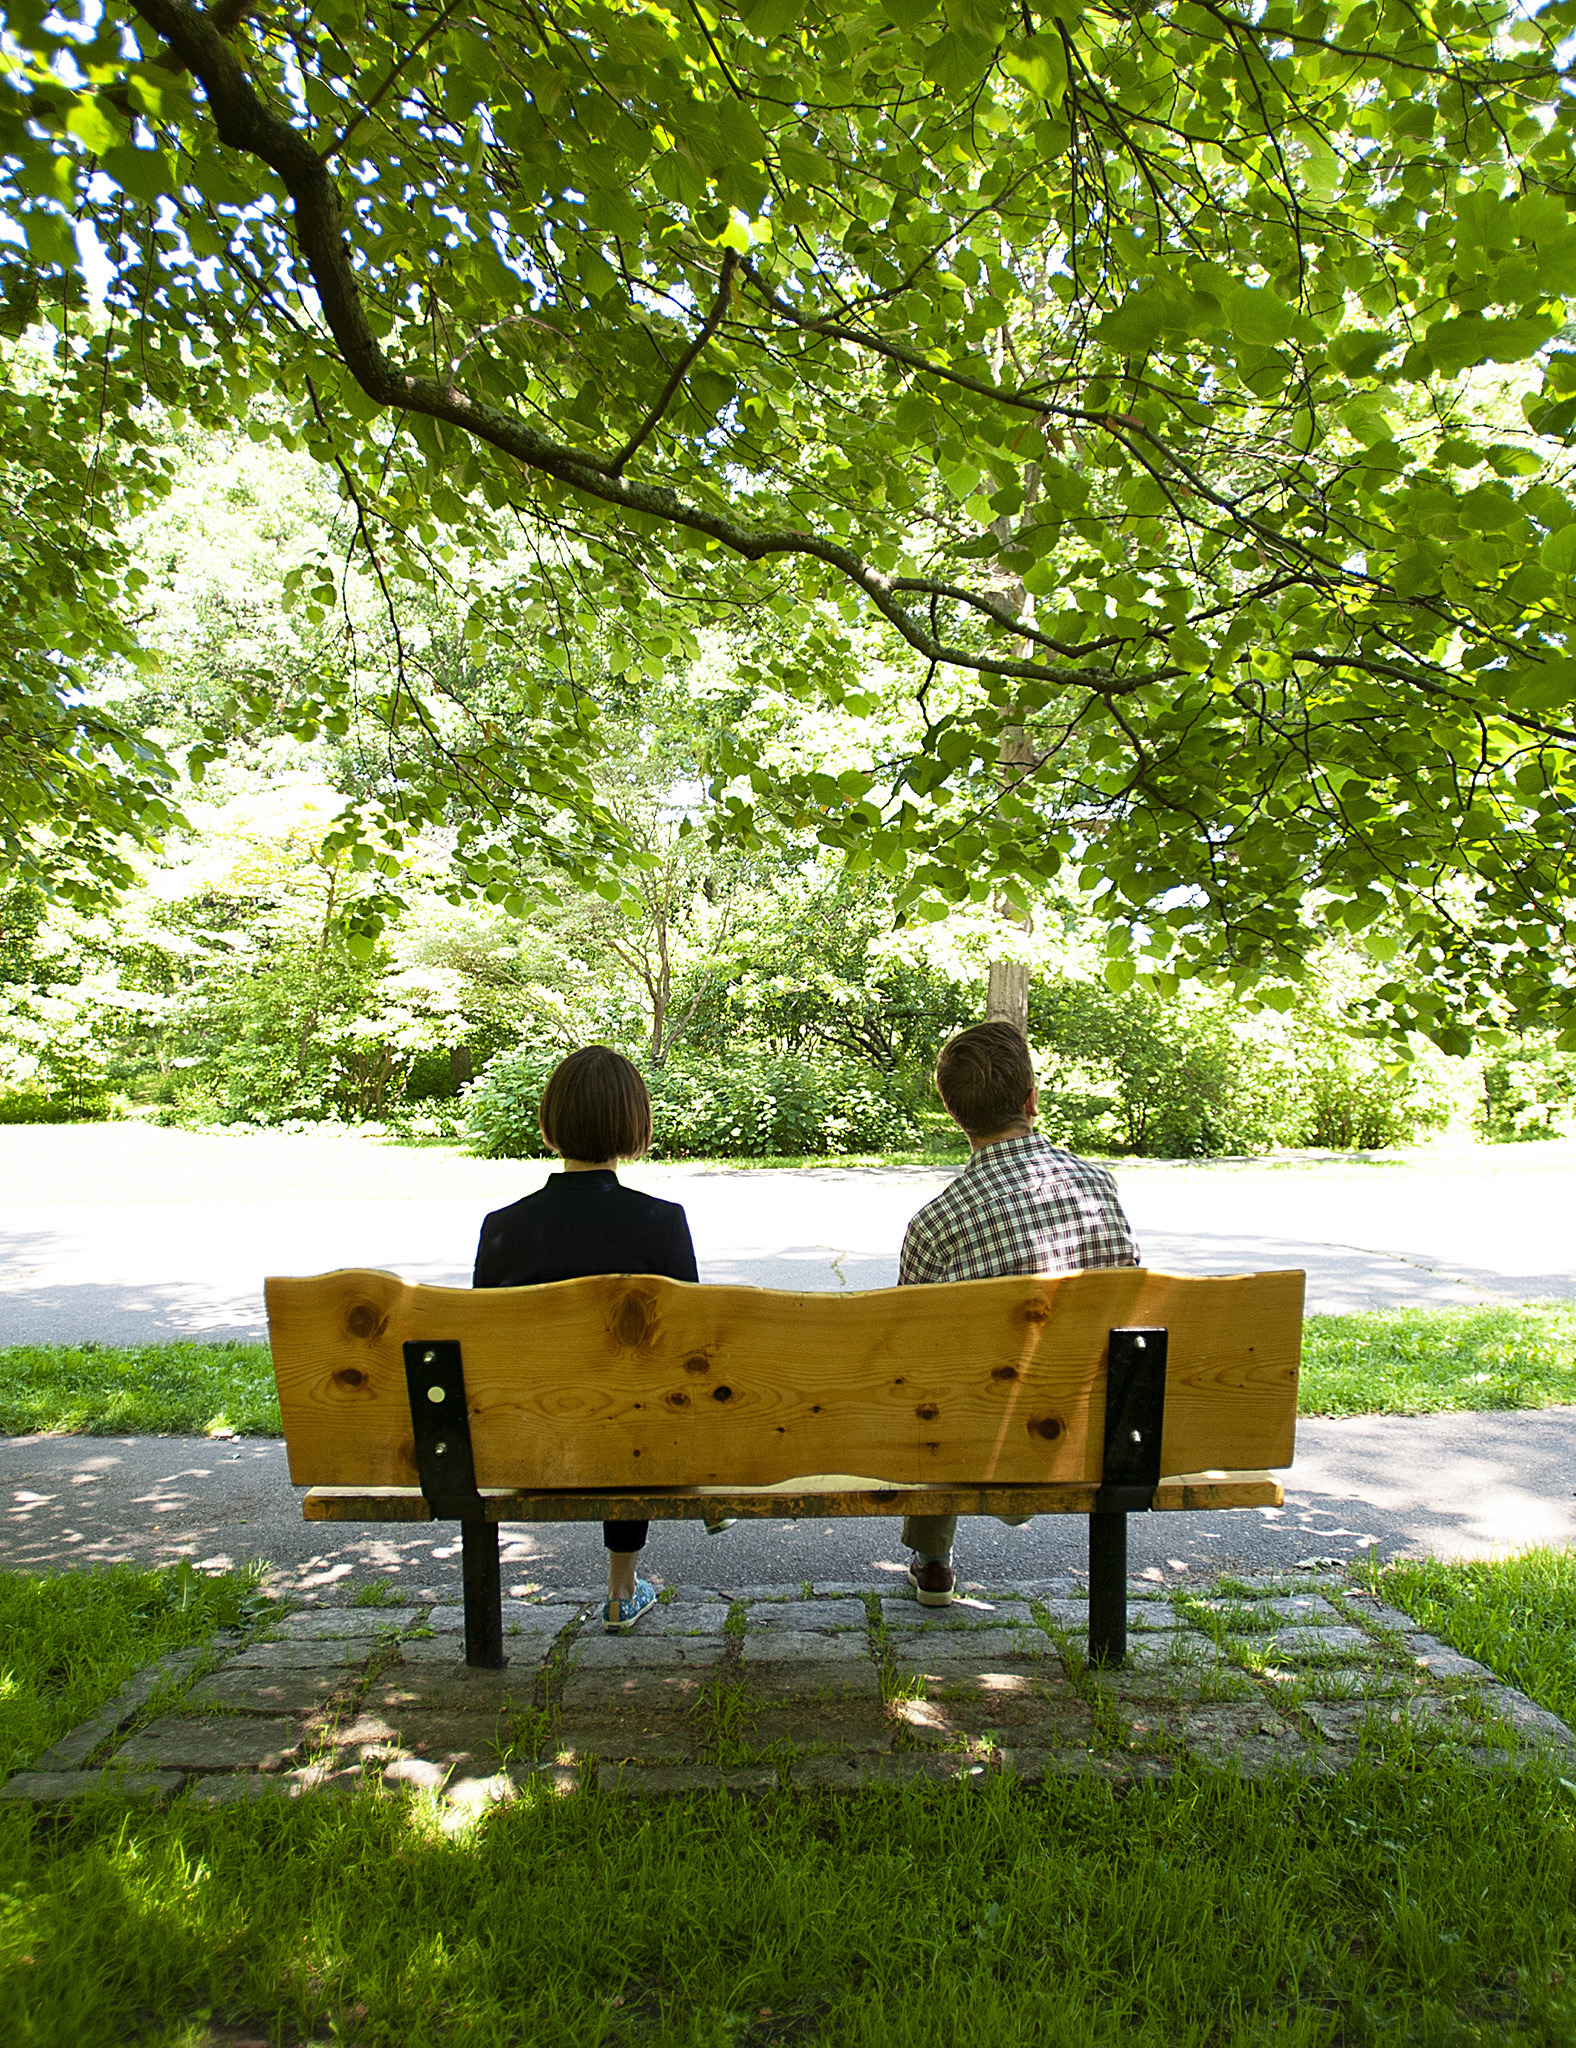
column 1164, row 1080
column 1349, row 1098
column 26, row 1107
column 1528, row 1089
column 754, row 1106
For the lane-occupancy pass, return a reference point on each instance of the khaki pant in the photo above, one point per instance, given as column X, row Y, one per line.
column 932, row 1535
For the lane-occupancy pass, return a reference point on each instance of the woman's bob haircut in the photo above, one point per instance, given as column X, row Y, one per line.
column 595, row 1106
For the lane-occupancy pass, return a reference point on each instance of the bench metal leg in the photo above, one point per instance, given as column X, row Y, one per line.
column 1107, row 1588
column 483, row 1596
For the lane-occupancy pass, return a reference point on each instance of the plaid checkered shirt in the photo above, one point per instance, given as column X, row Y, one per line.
column 1019, row 1206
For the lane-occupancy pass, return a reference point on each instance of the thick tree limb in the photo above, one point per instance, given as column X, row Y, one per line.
column 245, row 123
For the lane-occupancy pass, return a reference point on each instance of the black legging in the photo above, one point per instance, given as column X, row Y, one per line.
column 625, row 1536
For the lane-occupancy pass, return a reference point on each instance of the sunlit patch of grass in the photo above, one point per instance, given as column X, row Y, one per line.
column 1517, row 1615
column 139, row 1389
column 1420, row 1361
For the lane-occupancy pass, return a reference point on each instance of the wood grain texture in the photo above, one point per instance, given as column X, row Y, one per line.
column 829, row 1498
column 629, row 1383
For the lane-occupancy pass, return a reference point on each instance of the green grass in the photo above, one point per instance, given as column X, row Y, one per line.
column 1402, row 1362
column 1422, row 1907
column 68, row 1641
column 141, row 1390
column 1517, row 1615
column 1204, row 1913
column 1420, row 1361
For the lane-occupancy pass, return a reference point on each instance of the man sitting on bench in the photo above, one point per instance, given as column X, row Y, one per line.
column 1019, row 1206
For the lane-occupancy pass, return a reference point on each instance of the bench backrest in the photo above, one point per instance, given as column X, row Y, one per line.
column 640, row 1382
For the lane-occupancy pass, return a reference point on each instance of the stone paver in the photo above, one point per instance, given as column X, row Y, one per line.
column 907, row 1616
column 1007, row 1647
column 523, row 1653
column 1530, row 1721
column 1440, row 1661
column 664, row 1781
column 867, row 1773
column 808, row 1614
column 800, row 1646
column 273, row 1692
column 348, row 1701
column 1304, row 1643
column 53, row 1788
column 231, row 1742
column 520, row 1617
column 327, row 1624
column 794, row 1680
column 309, row 1655
column 648, row 1653
column 72, row 1751
column 682, row 1618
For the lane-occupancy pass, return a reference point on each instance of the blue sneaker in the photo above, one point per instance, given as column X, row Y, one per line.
column 618, row 1616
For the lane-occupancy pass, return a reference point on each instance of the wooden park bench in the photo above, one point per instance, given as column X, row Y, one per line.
column 1102, row 1393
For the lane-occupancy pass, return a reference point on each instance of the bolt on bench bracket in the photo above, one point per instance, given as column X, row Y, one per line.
column 1135, row 1413
column 441, row 1424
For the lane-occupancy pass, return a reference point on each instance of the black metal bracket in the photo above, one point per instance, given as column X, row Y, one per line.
column 1135, row 1414
column 440, row 1422
column 1135, row 1417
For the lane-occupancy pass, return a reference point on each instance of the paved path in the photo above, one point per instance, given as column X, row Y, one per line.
column 1453, row 1485
column 124, row 1234
column 834, row 1689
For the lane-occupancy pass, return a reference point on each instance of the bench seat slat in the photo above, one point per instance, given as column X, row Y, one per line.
column 825, row 1498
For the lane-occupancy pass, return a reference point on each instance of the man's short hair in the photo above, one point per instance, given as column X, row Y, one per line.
column 985, row 1075
column 596, row 1106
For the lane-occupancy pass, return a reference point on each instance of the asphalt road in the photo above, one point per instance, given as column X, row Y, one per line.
column 1450, row 1485
column 123, row 1234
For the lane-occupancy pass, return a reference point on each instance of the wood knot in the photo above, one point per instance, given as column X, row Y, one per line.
column 699, row 1363
column 347, row 1376
column 1034, row 1312
column 1005, row 1372
column 632, row 1323
column 927, row 1411
column 364, row 1321
column 676, row 1400
column 722, row 1393
column 1048, row 1426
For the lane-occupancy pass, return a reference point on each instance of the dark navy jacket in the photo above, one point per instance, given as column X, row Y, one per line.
column 579, row 1224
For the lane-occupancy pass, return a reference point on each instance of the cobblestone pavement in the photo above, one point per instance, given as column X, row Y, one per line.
column 831, row 1688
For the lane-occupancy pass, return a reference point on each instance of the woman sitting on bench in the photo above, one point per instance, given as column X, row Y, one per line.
column 595, row 1112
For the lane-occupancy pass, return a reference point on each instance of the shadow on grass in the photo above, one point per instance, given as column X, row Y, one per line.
column 1383, row 1907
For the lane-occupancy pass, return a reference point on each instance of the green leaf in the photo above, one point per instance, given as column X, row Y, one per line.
column 145, row 174
column 1259, row 317
column 1461, row 344
column 1041, row 62
column 1558, row 552
column 956, row 60
column 768, row 19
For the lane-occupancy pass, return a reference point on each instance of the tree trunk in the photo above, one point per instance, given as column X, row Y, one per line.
column 1007, row 994
column 1007, row 982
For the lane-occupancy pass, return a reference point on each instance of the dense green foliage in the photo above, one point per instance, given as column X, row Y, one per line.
column 1147, row 427
column 748, row 1107
column 70, row 1640
column 1517, row 1615
column 1398, row 1906
column 1393, row 1362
